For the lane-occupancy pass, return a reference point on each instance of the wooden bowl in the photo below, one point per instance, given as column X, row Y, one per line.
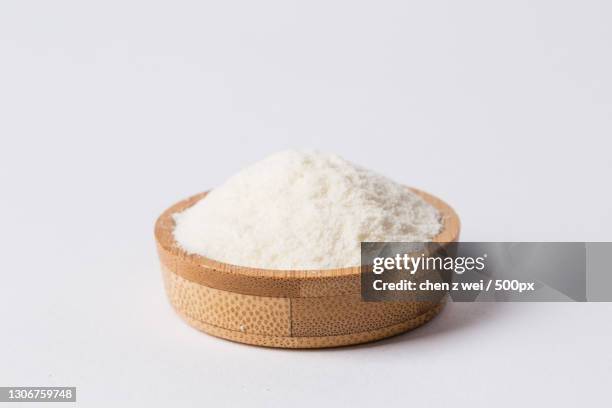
column 281, row 308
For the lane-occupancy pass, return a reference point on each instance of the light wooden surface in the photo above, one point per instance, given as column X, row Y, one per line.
column 281, row 308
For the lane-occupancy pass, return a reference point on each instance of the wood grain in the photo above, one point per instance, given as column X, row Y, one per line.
column 284, row 308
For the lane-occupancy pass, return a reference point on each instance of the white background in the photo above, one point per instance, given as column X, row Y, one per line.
column 112, row 111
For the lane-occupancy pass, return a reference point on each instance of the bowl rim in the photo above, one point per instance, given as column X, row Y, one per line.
column 164, row 236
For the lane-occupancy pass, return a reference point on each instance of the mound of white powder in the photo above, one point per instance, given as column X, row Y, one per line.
column 302, row 210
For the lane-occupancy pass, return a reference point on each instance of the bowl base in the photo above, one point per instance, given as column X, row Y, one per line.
column 314, row 342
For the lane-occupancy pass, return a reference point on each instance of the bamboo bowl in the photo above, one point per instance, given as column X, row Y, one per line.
column 279, row 308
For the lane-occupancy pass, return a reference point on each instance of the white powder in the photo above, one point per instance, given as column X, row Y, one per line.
column 302, row 210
